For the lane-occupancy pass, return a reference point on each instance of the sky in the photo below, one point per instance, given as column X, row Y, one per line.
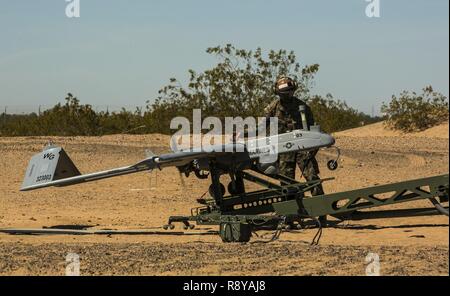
column 120, row 53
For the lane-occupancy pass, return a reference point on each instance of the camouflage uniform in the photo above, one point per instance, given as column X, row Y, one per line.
column 289, row 118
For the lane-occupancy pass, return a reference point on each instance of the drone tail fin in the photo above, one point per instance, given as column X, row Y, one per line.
column 51, row 164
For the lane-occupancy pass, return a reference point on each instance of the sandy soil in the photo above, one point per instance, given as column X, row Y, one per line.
column 406, row 246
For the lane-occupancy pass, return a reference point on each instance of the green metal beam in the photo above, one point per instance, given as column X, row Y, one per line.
column 348, row 201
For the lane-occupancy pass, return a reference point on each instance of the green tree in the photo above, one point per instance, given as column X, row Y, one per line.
column 415, row 112
column 241, row 84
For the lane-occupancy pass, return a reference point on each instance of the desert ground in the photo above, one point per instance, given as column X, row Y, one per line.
column 370, row 155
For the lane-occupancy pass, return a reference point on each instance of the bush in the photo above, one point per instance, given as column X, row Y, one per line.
column 415, row 112
column 75, row 119
column 71, row 119
column 335, row 115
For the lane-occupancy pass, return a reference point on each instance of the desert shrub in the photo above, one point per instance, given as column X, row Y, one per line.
column 122, row 122
column 335, row 115
column 71, row 119
column 415, row 112
column 18, row 125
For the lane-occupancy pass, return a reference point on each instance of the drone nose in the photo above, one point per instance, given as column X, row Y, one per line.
column 327, row 140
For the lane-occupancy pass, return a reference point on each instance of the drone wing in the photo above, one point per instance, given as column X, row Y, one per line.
column 53, row 167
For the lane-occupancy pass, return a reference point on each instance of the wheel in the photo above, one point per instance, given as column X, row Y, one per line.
column 211, row 191
column 226, row 233
column 231, row 189
column 332, row 165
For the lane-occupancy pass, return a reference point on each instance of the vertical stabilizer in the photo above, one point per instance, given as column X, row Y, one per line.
column 51, row 164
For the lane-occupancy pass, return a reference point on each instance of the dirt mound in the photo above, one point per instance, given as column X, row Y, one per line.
column 380, row 130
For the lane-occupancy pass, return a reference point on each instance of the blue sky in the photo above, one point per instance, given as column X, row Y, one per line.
column 119, row 53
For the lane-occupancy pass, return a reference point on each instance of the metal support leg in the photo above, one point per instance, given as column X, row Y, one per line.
column 216, row 188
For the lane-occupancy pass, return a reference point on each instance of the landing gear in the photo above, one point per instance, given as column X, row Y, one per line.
column 332, row 165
